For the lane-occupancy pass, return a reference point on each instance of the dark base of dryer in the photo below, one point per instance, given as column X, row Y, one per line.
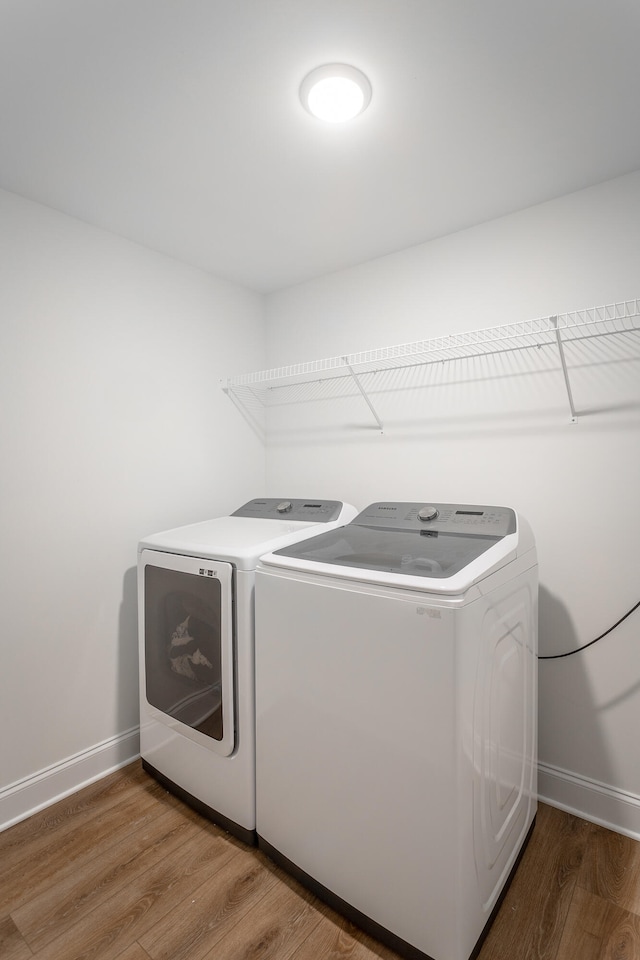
column 370, row 926
column 242, row 833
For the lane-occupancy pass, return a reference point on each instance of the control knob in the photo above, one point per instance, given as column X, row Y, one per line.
column 284, row 507
column 427, row 513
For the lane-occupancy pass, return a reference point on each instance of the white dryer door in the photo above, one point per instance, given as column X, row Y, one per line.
column 186, row 635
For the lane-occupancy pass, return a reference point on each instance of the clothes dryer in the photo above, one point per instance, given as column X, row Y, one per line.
column 396, row 691
column 196, row 629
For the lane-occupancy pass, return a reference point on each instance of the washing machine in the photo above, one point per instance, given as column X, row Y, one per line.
column 196, row 630
column 396, row 691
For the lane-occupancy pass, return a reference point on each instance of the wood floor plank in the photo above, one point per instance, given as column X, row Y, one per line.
column 65, row 852
column 23, row 838
column 530, row 922
column 335, row 938
column 134, row 952
column 611, row 869
column 278, row 925
column 75, row 893
column 195, row 925
column 125, row 916
column 12, row 944
column 56, row 833
column 599, row 930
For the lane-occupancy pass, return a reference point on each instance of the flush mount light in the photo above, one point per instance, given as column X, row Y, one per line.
column 335, row 92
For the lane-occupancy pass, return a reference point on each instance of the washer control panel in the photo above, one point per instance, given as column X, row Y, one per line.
column 434, row 518
column 272, row 508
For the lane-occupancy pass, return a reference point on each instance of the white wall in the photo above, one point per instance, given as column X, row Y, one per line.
column 498, row 431
column 113, row 426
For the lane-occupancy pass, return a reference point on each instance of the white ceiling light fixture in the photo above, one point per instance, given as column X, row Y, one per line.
column 335, row 92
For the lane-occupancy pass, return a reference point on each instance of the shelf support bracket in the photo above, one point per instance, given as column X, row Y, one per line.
column 565, row 372
column 363, row 392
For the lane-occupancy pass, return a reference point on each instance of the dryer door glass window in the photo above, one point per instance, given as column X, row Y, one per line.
column 188, row 652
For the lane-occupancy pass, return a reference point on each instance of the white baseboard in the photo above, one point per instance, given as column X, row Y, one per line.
column 594, row 801
column 25, row 797
column 597, row 802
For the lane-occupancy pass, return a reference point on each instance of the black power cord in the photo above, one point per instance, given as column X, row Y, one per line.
column 570, row 653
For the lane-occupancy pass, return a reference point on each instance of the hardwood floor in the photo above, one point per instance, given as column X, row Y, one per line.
column 124, row 871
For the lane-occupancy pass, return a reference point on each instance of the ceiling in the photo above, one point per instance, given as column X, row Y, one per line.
column 177, row 123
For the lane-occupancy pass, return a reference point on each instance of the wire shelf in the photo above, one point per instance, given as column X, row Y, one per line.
column 559, row 330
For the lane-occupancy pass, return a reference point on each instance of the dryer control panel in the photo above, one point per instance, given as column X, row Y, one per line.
column 272, row 508
column 434, row 518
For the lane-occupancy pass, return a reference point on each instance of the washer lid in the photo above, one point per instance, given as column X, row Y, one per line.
column 438, row 547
